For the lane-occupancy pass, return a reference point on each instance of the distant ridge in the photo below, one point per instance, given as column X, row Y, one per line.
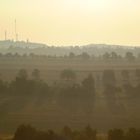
column 22, row 44
column 11, row 43
column 26, row 47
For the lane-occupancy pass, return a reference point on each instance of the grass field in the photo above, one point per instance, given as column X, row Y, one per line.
column 50, row 68
column 50, row 114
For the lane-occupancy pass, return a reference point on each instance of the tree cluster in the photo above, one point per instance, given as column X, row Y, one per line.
column 27, row 132
column 68, row 95
column 107, row 56
column 119, row 134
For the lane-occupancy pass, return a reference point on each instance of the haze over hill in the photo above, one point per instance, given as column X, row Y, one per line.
column 85, row 70
column 73, row 22
column 52, row 86
column 26, row 47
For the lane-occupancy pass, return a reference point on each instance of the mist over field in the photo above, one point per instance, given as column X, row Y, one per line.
column 69, row 70
column 50, row 87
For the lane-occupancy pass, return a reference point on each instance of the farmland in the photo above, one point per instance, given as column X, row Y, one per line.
column 57, row 109
column 50, row 68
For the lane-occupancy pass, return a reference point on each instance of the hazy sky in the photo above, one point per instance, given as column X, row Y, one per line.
column 72, row 22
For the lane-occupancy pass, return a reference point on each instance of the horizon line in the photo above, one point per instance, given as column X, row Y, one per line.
column 88, row 44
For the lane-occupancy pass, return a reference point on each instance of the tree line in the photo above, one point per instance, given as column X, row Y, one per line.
column 129, row 56
column 27, row 132
column 68, row 93
column 97, row 49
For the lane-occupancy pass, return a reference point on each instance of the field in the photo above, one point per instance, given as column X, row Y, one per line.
column 52, row 114
column 51, row 68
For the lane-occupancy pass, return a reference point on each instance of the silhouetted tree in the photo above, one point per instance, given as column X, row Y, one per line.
column 90, row 133
column 116, row 134
column 133, row 134
column 89, row 84
column 22, row 74
column 85, row 55
column 106, row 56
column 25, row 132
column 111, row 90
column 68, row 74
column 36, row 74
column 114, row 55
column 129, row 56
column 71, row 55
column 109, row 78
column 88, row 94
column 67, row 132
column 21, row 83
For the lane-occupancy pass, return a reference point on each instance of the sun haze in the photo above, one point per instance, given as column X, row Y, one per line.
column 72, row 22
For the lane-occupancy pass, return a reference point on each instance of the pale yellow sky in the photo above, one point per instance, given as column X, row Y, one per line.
column 72, row 22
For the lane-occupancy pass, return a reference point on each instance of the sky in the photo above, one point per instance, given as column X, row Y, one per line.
column 72, row 22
